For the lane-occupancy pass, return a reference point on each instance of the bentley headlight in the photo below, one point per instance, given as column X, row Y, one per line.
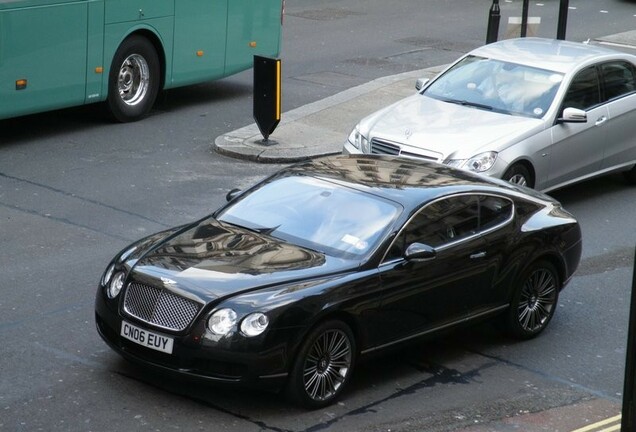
column 358, row 140
column 480, row 163
column 254, row 324
column 116, row 284
column 126, row 254
column 222, row 321
column 108, row 274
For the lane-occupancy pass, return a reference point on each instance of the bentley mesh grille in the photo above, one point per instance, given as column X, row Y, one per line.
column 159, row 307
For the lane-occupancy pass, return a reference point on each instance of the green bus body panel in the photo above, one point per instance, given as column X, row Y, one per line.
column 95, row 52
column 45, row 44
column 251, row 21
column 200, row 26
column 137, row 10
column 19, row 4
column 64, row 48
column 158, row 29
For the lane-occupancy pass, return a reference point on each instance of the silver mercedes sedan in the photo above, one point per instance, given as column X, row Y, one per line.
column 538, row 112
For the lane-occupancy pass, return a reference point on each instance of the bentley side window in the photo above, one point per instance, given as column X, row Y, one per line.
column 493, row 211
column 450, row 220
column 439, row 223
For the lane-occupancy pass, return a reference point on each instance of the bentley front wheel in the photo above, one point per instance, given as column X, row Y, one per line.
column 323, row 366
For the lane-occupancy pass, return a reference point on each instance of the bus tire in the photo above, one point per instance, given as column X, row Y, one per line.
column 133, row 82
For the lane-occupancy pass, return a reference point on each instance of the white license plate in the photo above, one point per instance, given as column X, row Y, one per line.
column 146, row 338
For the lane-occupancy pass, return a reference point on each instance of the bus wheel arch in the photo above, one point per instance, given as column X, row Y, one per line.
column 134, row 79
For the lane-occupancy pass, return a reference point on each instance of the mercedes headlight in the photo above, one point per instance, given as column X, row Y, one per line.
column 358, row 140
column 479, row 163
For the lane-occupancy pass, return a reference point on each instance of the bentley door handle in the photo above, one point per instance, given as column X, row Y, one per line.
column 477, row 255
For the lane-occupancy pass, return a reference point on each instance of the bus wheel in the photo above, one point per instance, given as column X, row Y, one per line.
column 133, row 82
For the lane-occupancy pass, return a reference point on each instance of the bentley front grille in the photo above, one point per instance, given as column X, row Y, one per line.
column 159, row 307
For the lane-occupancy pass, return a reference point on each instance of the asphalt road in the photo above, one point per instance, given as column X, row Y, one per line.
column 74, row 189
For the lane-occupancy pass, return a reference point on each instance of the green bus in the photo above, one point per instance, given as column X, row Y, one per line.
column 61, row 53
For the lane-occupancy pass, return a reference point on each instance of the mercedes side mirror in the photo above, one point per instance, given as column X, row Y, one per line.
column 420, row 83
column 573, row 115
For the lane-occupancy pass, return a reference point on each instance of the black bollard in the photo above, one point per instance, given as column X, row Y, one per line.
column 524, row 18
column 629, row 385
column 267, row 95
column 493, row 22
column 563, row 19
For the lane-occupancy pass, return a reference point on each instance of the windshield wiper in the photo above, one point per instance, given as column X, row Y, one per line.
column 258, row 230
column 267, row 231
column 467, row 103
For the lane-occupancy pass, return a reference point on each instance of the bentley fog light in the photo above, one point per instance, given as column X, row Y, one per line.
column 222, row 321
column 254, row 324
column 116, row 284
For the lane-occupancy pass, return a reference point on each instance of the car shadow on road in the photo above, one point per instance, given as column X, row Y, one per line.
column 47, row 125
column 604, row 187
column 421, row 365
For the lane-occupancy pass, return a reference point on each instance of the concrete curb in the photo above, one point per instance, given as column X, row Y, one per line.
column 318, row 128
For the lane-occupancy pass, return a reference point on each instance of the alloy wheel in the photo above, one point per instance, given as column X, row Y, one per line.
column 327, row 365
column 537, row 300
column 518, row 179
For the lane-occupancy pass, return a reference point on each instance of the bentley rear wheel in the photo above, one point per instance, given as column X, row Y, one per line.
column 534, row 301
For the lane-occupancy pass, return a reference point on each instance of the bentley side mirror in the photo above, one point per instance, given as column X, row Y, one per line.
column 232, row 194
column 418, row 252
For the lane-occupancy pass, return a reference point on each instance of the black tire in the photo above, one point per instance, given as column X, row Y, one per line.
column 133, row 81
column 520, row 175
column 534, row 301
column 323, row 366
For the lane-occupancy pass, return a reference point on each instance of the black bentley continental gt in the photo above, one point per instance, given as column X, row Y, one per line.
column 292, row 280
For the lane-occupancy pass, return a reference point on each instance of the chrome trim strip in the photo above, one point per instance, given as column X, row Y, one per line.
column 279, row 375
column 463, row 239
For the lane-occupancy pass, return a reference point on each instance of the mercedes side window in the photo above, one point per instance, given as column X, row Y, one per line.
column 618, row 79
column 584, row 91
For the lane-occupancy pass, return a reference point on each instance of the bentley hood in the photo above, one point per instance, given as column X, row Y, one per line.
column 447, row 130
column 211, row 260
